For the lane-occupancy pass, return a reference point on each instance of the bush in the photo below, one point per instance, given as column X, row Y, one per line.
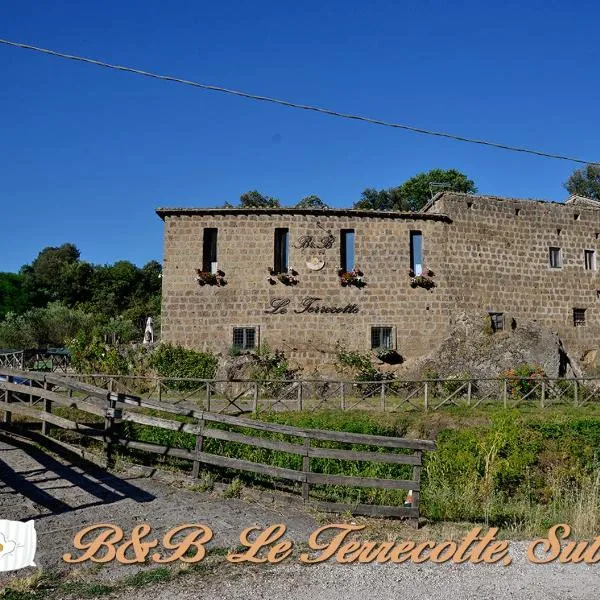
column 522, row 380
column 177, row 362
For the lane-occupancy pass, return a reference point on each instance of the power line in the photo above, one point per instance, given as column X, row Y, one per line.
column 325, row 111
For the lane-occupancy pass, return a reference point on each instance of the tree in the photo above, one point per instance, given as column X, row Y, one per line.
column 312, row 202
column 585, row 182
column 418, row 190
column 414, row 193
column 254, row 199
column 12, row 296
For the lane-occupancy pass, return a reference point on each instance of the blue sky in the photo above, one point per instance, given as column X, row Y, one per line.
column 87, row 154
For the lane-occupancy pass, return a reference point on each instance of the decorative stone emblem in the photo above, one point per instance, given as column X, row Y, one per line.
column 315, row 263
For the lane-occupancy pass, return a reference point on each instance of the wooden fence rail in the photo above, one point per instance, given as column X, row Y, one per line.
column 32, row 395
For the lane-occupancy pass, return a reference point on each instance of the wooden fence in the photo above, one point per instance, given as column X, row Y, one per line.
column 32, row 395
column 245, row 396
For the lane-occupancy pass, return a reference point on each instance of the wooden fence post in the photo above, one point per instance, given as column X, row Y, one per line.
column 306, row 469
column 426, row 397
column 343, row 397
column 505, row 394
column 543, row 398
column 7, row 398
column 208, row 396
column 382, row 397
column 469, row 391
column 575, row 390
column 414, row 521
column 47, row 409
column 300, row 396
column 255, row 398
column 159, row 389
column 198, row 449
column 109, row 426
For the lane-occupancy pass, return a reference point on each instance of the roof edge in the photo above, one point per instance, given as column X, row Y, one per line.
column 333, row 212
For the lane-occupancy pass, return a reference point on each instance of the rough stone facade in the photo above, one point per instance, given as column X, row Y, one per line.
column 487, row 255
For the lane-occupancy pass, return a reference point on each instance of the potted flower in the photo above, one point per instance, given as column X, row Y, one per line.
column 289, row 277
column 354, row 277
column 422, row 280
column 209, row 278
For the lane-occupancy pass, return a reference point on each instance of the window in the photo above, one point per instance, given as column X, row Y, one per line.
column 381, row 337
column 347, row 250
column 209, row 250
column 555, row 256
column 579, row 317
column 244, row 338
column 497, row 320
column 590, row 260
column 416, row 252
column 281, row 255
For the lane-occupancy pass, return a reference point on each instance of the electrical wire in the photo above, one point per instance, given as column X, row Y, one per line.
column 325, row 111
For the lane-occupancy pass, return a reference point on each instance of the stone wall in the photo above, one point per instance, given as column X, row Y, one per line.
column 497, row 260
column 487, row 255
column 203, row 317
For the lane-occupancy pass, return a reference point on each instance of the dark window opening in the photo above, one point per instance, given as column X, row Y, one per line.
column 281, row 255
column 578, row 317
column 416, row 252
column 381, row 337
column 347, row 250
column 517, row 211
column 590, row 260
column 555, row 257
column 209, row 250
column 244, row 338
column 497, row 321
column 576, row 216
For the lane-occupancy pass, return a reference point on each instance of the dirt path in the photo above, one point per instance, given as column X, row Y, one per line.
column 62, row 497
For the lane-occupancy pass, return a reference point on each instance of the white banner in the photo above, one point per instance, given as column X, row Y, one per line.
column 18, row 543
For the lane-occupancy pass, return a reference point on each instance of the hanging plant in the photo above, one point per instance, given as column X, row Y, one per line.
column 289, row 277
column 354, row 277
column 208, row 278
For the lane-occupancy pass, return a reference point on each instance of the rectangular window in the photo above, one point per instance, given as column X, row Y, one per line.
column 497, row 320
column 244, row 338
column 382, row 337
column 209, row 250
column 590, row 260
column 555, row 257
column 347, row 250
column 281, row 255
column 578, row 317
column 416, row 252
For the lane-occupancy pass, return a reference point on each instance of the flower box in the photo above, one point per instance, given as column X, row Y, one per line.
column 208, row 278
column 354, row 277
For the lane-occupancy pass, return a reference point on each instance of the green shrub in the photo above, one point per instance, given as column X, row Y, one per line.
column 177, row 362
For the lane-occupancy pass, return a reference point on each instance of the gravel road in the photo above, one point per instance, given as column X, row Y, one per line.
column 519, row 581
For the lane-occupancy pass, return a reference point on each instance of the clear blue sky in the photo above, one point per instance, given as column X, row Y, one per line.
column 87, row 154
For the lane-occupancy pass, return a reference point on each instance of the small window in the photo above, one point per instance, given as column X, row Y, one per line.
column 579, row 317
column 517, row 212
column 590, row 260
column 381, row 337
column 347, row 250
column 555, row 257
column 209, row 250
column 497, row 321
column 576, row 217
column 281, row 252
column 244, row 338
column 416, row 252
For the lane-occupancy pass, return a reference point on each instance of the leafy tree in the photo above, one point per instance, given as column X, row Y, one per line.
column 56, row 275
column 312, row 202
column 254, row 199
column 12, row 295
column 418, row 190
column 585, row 182
column 414, row 193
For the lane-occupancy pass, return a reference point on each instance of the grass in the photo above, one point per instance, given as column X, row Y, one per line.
column 521, row 469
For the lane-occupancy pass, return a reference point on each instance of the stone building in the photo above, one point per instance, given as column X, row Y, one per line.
column 307, row 281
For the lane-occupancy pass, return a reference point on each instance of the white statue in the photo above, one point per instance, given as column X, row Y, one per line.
column 149, row 333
